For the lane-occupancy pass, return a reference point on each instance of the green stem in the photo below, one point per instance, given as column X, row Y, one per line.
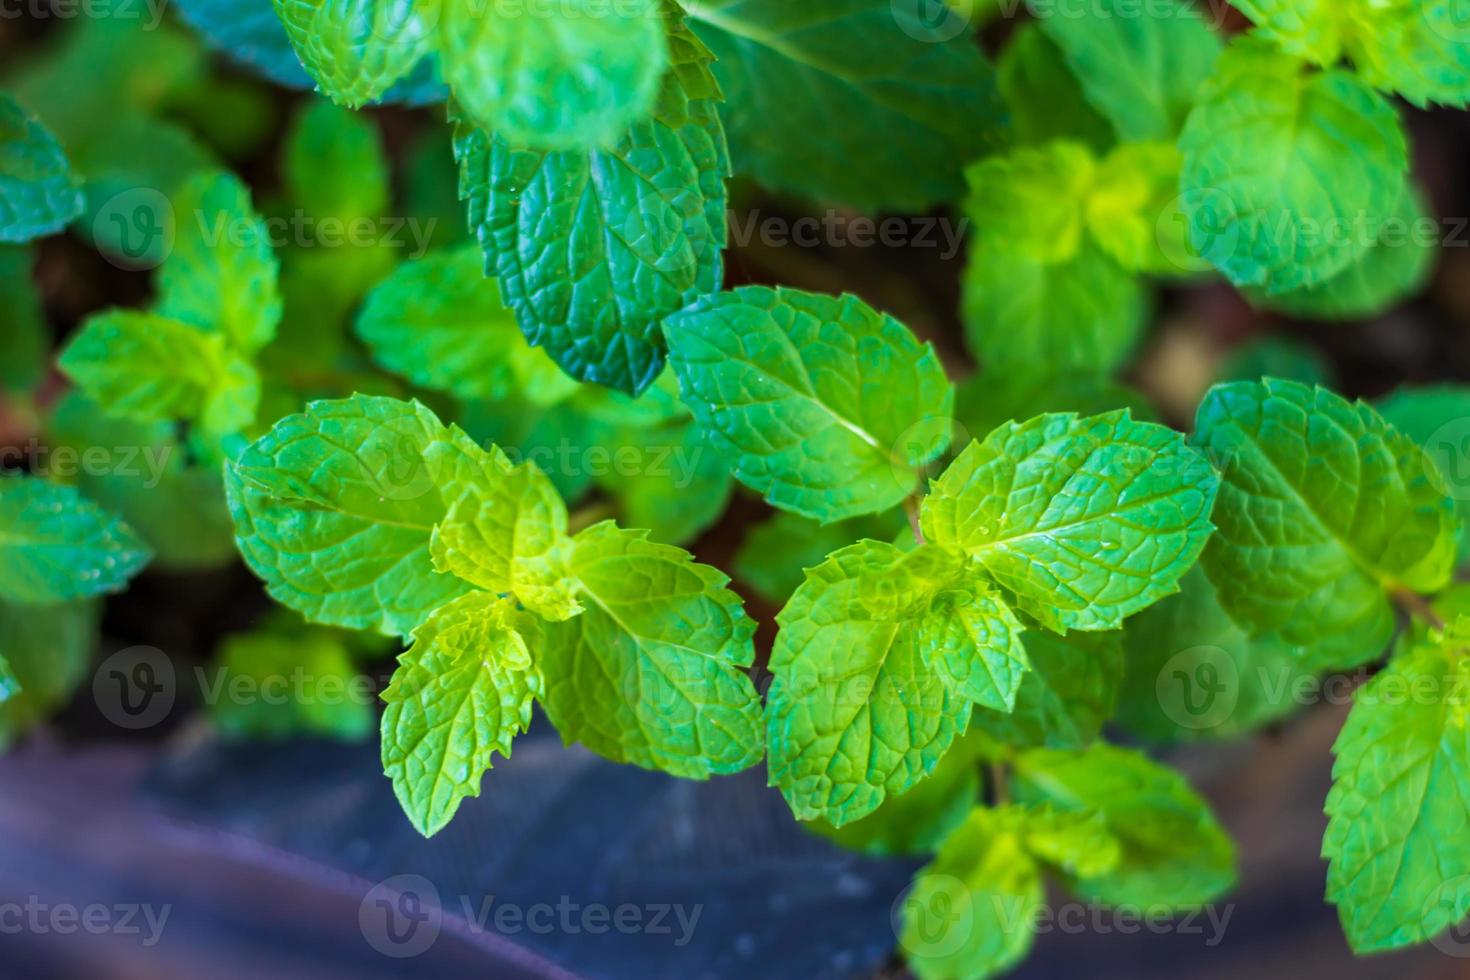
column 588, row 516
column 911, row 508
column 1000, row 787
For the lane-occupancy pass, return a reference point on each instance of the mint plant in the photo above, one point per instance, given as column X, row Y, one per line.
column 503, row 446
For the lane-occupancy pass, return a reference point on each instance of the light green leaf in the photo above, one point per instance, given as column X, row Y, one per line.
column 56, row 546
column 869, row 693
column 39, row 194
column 593, row 248
column 175, row 503
column 1398, row 831
column 334, row 164
column 1133, row 211
column 825, row 406
column 1043, row 96
column 507, row 533
column 334, row 509
column 25, row 344
column 918, row 821
column 1289, row 174
column 1025, row 317
column 49, row 649
column 653, row 672
column 668, row 479
column 1323, row 509
column 295, row 682
column 776, row 553
column 357, row 49
column 441, row 323
column 1419, row 49
column 1395, row 267
column 1084, row 520
column 1077, row 843
column 573, row 75
column 149, row 368
column 1067, row 695
column 460, row 694
column 972, row 911
column 1173, row 852
column 1195, row 674
column 924, row 93
column 1142, row 67
column 1032, row 198
column 222, row 274
column 1437, row 417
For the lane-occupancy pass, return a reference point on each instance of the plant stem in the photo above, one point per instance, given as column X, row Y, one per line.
column 1416, row 606
column 1000, row 790
column 911, row 508
column 588, row 516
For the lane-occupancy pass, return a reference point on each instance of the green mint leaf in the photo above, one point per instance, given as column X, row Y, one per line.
column 653, row 672
column 1044, row 98
column 149, row 368
column 1040, row 295
column 989, row 400
column 221, row 276
column 1084, row 520
column 1289, row 174
column 334, row 164
column 460, row 694
column 1434, row 417
column 824, row 405
column 572, row 76
column 1276, row 357
column 1418, row 49
column 1142, row 70
column 56, row 546
column 508, row 534
column 925, row 94
column 1323, row 507
column 334, row 509
column 1067, row 695
column 177, row 506
column 972, row 910
column 1133, row 211
column 1194, row 673
column 1395, row 267
column 25, row 342
column 776, row 553
column 919, row 820
column 49, row 648
column 439, row 322
column 9, row 683
column 1077, row 843
column 357, row 49
column 39, row 194
column 877, row 663
column 593, row 248
column 1398, row 817
column 273, row 659
column 1173, row 852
